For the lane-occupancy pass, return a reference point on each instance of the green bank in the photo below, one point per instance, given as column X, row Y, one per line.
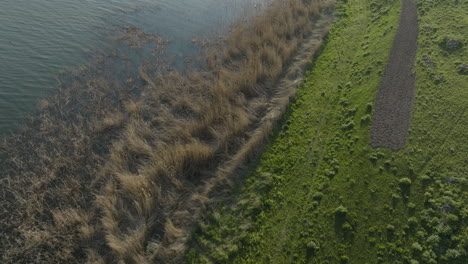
column 321, row 194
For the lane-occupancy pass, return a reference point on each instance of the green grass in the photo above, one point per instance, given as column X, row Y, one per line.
column 320, row 194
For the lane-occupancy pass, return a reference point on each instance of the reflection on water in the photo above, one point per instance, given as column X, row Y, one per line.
column 39, row 38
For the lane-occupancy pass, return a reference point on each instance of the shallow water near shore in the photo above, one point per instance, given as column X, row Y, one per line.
column 40, row 39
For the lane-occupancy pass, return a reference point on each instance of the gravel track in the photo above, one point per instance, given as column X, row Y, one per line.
column 394, row 103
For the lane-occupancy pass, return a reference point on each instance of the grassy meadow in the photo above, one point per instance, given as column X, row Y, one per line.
column 321, row 194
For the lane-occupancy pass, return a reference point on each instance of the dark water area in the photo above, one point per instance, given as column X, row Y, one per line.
column 41, row 40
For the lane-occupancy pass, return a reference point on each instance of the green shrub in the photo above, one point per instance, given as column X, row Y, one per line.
column 329, row 173
column 387, row 163
column 365, row 119
column 315, row 204
column 404, row 182
column 347, row 227
column 373, row 157
column 421, row 234
column 416, row 247
column 348, row 125
column 368, row 108
column 453, row 219
column 433, row 240
column 425, row 178
column 312, row 245
column 452, row 254
column 317, row 196
column 351, row 111
column 344, row 102
column 341, row 211
column 426, row 255
column 412, row 221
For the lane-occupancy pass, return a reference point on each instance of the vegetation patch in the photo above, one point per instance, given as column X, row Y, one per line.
column 374, row 205
column 109, row 174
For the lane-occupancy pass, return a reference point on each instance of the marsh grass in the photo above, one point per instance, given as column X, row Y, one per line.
column 101, row 176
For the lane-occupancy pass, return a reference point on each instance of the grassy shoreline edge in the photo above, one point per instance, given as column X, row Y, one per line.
column 320, row 194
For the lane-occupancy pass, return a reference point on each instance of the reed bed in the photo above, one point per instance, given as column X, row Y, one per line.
column 101, row 176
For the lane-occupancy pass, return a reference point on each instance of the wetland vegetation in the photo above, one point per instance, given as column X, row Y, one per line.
column 261, row 156
column 104, row 175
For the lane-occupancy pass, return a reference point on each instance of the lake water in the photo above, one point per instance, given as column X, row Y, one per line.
column 41, row 38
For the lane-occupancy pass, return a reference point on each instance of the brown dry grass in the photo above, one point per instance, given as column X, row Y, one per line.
column 124, row 179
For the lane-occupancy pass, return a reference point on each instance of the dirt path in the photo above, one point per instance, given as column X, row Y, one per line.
column 394, row 103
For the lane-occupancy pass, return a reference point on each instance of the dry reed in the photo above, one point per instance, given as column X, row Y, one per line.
column 121, row 179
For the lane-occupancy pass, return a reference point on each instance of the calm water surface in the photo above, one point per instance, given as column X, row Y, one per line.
column 41, row 38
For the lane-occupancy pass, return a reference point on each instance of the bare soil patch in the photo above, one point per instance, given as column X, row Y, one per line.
column 393, row 106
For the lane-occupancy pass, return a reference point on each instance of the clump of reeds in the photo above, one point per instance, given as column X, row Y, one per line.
column 124, row 178
column 47, row 170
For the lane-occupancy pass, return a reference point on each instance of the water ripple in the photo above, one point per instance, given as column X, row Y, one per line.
column 39, row 38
